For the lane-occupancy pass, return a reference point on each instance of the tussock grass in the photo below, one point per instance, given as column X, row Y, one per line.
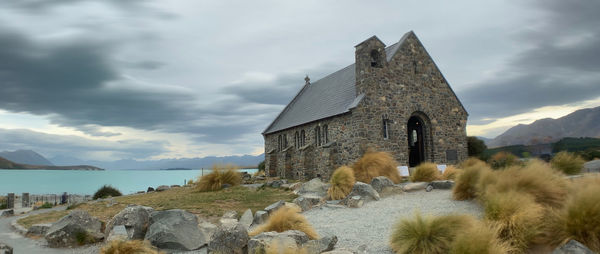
column 466, row 182
column 107, row 191
column 286, row 218
column 342, row 181
column 479, row 239
column 128, row 247
column 471, row 162
column 503, row 159
column 579, row 219
column 221, row 174
column 374, row 164
column 280, row 247
column 425, row 172
column 427, row 235
column 450, row 173
column 568, row 163
column 517, row 217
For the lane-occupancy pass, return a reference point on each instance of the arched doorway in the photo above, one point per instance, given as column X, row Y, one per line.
column 416, row 141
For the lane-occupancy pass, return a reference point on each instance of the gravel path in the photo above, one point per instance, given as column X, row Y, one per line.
column 371, row 225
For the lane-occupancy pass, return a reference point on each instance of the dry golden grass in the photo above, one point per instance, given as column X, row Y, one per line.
column 221, row 174
column 428, row 235
column 286, row 218
column 465, row 184
column 129, row 247
column 480, row 238
column 517, row 217
column 210, row 205
column 568, row 163
column 471, row 162
column 279, row 247
column 503, row 159
column 374, row 164
column 450, row 173
column 342, row 181
column 425, row 172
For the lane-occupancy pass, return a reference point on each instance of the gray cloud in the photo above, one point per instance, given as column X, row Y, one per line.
column 559, row 66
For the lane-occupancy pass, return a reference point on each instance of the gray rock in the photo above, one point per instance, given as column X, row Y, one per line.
column 75, row 229
column 5, row 249
column 276, row 183
column 414, row 186
column 7, row 213
column 365, row 191
column 208, row 230
column 260, row 217
column 230, row 215
column 295, row 186
column 225, row 186
column 150, row 189
column 326, row 243
column 380, row 182
column 38, row 229
column 314, row 186
column 340, row 251
column 355, row 202
column 442, row 185
column 308, row 201
column 290, row 238
column 573, row 247
column 429, row 188
column 175, row 230
column 246, row 219
column 273, row 207
column 229, row 238
column 592, row 166
column 203, row 250
column 117, row 233
column 175, row 186
column 135, row 218
column 285, row 186
column 162, row 188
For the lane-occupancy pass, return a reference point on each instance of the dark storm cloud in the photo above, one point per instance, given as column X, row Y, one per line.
column 560, row 65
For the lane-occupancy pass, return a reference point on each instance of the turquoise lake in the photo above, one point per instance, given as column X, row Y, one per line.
column 87, row 182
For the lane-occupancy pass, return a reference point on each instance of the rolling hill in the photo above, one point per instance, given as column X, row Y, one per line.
column 25, row 157
column 7, row 164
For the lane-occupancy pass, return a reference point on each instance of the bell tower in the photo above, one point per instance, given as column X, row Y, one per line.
column 370, row 59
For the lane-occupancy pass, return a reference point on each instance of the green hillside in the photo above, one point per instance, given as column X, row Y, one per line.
column 588, row 148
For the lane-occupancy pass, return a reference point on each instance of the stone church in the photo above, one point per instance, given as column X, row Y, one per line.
column 392, row 98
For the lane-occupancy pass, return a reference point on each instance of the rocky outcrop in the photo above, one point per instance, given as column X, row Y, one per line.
column 75, row 229
column 290, row 238
column 573, row 247
column 135, row 218
column 175, row 230
column 229, row 238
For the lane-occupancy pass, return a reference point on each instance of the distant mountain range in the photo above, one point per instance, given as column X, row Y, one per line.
column 581, row 123
column 7, row 164
column 25, row 157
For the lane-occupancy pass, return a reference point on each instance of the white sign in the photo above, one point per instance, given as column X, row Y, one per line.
column 441, row 168
column 403, row 170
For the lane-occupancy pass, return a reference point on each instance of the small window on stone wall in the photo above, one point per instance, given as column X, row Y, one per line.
column 375, row 59
column 386, row 129
column 285, row 143
column 296, row 140
column 325, row 134
column 302, row 138
column 317, row 136
column 279, row 144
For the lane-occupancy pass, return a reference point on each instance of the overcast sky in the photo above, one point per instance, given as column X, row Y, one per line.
column 114, row 79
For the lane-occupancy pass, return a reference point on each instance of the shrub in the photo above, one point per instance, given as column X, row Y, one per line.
column 425, row 172
column 46, row 206
column 466, row 182
column 286, row 218
column 450, row 173
column 503, row 159
column 517, row 217
column 220, row 175
column 475, row 146
column 261, row 166
column 427, row 234
column 568, row 163
column 128, row 247
column 107, row 191
column 342, row 181
column 479, row 239
column 579, row 219
column 190, row 182
column 537, row 178
column 374, row 164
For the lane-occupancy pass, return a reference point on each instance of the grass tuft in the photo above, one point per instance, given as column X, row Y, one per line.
column 342, row 181
column 479, row 239
column 427, row 234
column 221, row 174
column 503, row 159
column 425, row 172
column 466, row 182
column 286, row 218
column 107, row 191
column 280, row 247
column 374, row 164
column 568, row 163
column 450, row 173
column 128, row 247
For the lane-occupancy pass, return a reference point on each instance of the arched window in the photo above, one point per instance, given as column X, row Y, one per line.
column 279, row 143
column 386, row 129
column 317, row 136
column 375, row 59
column 296, row 140
column 325, row 134
column 302, row 138
column 285, row 143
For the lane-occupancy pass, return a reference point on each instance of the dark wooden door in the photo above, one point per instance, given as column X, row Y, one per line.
column 415, row 141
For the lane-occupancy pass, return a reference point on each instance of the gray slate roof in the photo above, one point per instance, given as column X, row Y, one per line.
column 332, row 95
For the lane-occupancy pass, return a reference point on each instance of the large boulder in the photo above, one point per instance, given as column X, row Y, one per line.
column 38, row 229
column 119, row 233
column 326, row 243
column 592, row 166
column 260, row 217
column 380, row 183
column 5, row 249
column 208, row 230
column 229, row 239
column 135, row 218
column 365, row 191
column 75, row 229
column 573, row 247
column 229, row 217
column 290, row 238
column 314, row 186
column 175, row 230
column 247, row 218
column 273, row 207
column 308, row 201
